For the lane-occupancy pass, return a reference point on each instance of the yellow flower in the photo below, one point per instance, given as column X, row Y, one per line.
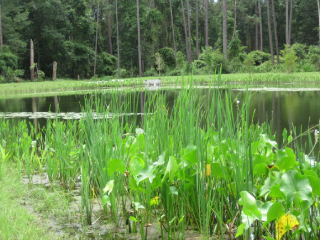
column 285, row 223
column 154, row 201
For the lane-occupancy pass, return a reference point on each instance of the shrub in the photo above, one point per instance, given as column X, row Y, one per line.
column 300, row 51
column 8, row 64
column 290, row 59
column 168, row 57
column 259, row 57
column 106, row 64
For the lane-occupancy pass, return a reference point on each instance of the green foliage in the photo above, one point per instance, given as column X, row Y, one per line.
column 167, row 55
column 159, row 62
column 236, row 50
column 249, row 63
column 290, row 59
column 8, row 63
column 300, row 51
column 214, row 60
column 106, row 64
column 259, row 57
column 181, row 61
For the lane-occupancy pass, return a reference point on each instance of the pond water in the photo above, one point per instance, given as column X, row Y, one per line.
column 283, row 108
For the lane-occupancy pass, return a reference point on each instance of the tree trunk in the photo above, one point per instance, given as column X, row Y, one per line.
column 139, row 39
column 185, row 32
column 318, row 3
column 225, row 30
column 109, row 28
column 206, row 27
column 290, row 21
column 31, row 61
column 173, row 35
column 1, row 39
column 287, row 23
column 275, row 30
column 54, row 71
column 118, row 39
column 189, row 29
column 197, row 28
column 96, row 43
column 270, row 32
column 261, row 35
column 257, row 28
column 235, row 20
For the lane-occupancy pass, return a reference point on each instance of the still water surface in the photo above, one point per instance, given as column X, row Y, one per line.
column 282, row 108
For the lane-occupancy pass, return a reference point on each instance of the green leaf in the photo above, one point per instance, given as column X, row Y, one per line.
column 249, row 205
column 116, row 165
column 133, row 219
column 217, row 170
column 106, row 200
column 137, row 206
column 189, row 155
column 293, row 184
column 240, row 230
column 268, row 184
column 160, row 159
column 171, row 169
column 286, row 159
column 109, row 187
column 173, row 190
column 314, row 181
column 136, row 165
column 146, row 173
column 276, row 211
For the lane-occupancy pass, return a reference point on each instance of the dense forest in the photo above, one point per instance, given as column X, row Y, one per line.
column 148, row 37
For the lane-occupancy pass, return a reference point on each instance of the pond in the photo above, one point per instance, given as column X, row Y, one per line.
column 283, row 108
column 126, row 158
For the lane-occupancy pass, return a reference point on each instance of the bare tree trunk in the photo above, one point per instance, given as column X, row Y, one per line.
column 1, row 39
column 270, row 32
column 225, row 30
column 257, row 28
column 261, row 35
column 54, row 71
column 206, row 27
column 185, row 32
column 96, row 43
column 318, row 3
column 287, row 23
column 290, row 21
column 197, row 28
column 189, row 29
column 139, row 39
column 235, row 20
column 118, row 39
column 31, row 61
column 275, row 30
column 173, row 35
column 109, row 28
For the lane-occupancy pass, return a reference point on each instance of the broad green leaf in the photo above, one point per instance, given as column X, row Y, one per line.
column 160, row 160
column 146, row 173
column 314, row 181
column 264, row 208
column 137, row 206
column 268, row 184
column 109, row 187
column 173, row 190
column 217, row 170
column 260, row 169
column 275, row 192
column 249, row 204
column 171, row 169
column 286, row 159
column 136, row 165
column 116, row 165
column 274, row 212
column 293, row 184
column 189, row 155
column 269, row 142
column 240, row 230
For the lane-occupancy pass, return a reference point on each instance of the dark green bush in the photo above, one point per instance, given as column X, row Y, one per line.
column 106, row 64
